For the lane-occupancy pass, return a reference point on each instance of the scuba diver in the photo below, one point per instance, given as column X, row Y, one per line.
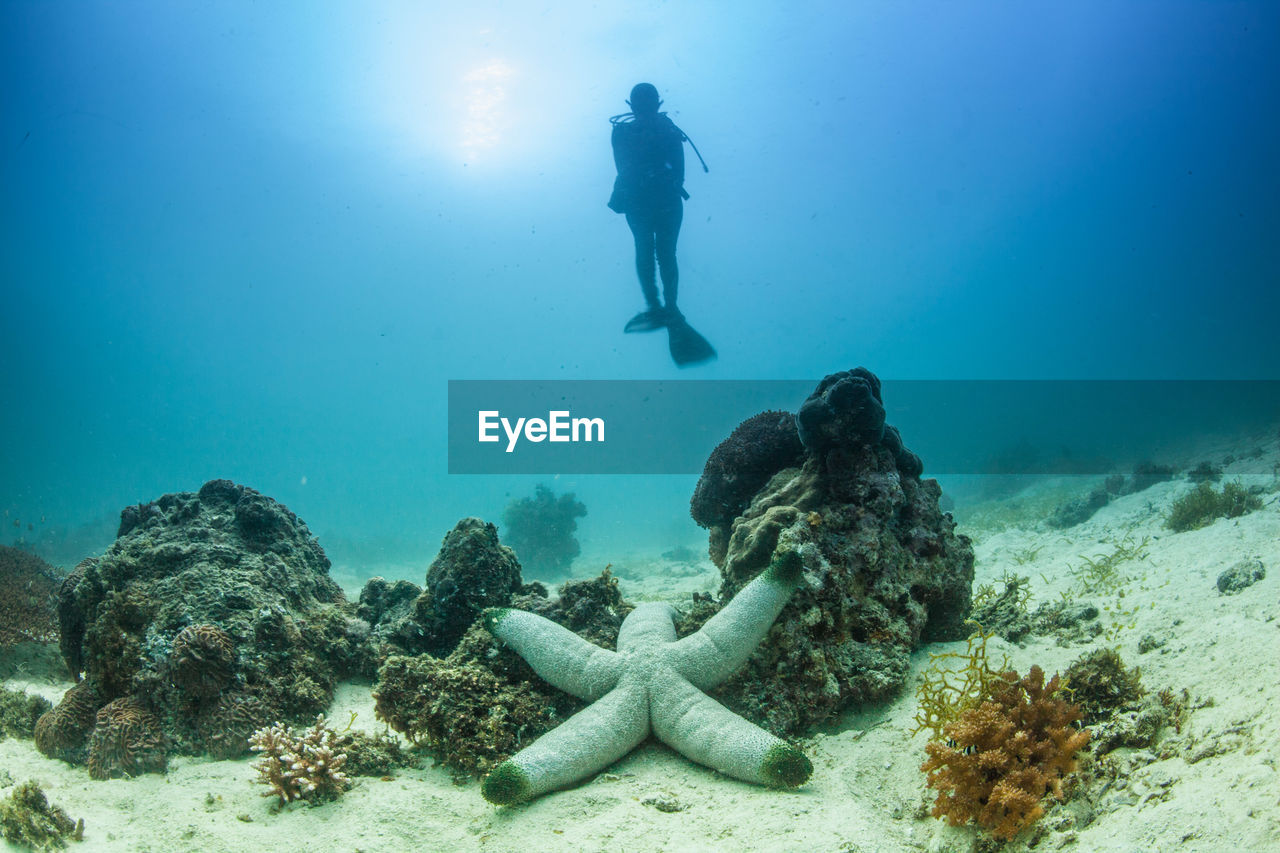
column 648, row 150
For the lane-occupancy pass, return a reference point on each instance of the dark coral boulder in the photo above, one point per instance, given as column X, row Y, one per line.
column 207, row 602
column 472, row 571
column 885, row 569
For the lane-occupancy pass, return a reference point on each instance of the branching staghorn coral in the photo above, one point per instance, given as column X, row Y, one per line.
column 1000, row 759
column 301, row 765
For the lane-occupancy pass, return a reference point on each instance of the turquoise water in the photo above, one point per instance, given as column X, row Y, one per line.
column 256, row 241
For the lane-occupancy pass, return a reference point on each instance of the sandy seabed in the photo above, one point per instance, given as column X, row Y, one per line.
column 1218, row 789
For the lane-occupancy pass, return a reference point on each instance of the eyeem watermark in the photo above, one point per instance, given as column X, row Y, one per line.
column 558, row 426
column 962, row 427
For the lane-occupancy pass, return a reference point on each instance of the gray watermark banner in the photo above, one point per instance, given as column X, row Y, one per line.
column 962, row 427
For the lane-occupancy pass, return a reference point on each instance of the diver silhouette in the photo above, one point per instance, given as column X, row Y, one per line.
column 648, row 150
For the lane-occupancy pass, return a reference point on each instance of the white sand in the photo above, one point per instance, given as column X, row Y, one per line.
column 1219, row 790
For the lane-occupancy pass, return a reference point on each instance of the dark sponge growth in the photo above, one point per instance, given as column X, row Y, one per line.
column 844, row 408
column 740, row 465
column 846, row 412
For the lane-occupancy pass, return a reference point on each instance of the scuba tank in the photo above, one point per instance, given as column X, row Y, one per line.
column 625, row 118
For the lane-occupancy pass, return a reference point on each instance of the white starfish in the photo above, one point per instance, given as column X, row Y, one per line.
column 653, row 683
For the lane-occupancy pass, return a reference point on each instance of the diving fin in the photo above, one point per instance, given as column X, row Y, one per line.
column 646, row 321
column 687, row 346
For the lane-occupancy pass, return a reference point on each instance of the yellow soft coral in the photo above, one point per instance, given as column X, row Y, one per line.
column 1001, row 758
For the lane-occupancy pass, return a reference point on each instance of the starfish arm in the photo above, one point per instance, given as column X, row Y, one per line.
column 557, row 654
column 587, row 742
column 720, row 647
column 650, row 623
column 701, row 729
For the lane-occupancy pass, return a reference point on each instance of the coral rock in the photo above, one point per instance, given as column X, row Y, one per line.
column 887, row 570
column 203, row 593
column 472, row 571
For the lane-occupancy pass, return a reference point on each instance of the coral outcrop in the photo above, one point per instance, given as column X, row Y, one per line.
column 1003, row 757
column 28, row 595
column 212, row 611
column 472, row 571
column 301, row 765
column 886, row 569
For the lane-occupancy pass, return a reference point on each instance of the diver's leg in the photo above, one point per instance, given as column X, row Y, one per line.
column 642, row 230
column 667, row 232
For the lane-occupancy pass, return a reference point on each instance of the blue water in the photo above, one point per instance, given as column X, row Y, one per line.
column 255, row 240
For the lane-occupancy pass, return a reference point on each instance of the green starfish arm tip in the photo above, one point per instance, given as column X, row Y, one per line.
column 507, row 784
column 784, row 766
column 786, row 567
column 493, row 616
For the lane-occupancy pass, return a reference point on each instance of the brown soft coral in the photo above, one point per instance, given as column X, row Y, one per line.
column 203, row 660
column 126, row 741
column 1004, row 756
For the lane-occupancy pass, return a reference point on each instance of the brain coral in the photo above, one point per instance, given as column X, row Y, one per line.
column 63, row 732
column 225, row 726
column 202, row 661
column 126, row 741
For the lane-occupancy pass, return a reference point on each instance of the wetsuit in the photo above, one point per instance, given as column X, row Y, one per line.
column 649, row 153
